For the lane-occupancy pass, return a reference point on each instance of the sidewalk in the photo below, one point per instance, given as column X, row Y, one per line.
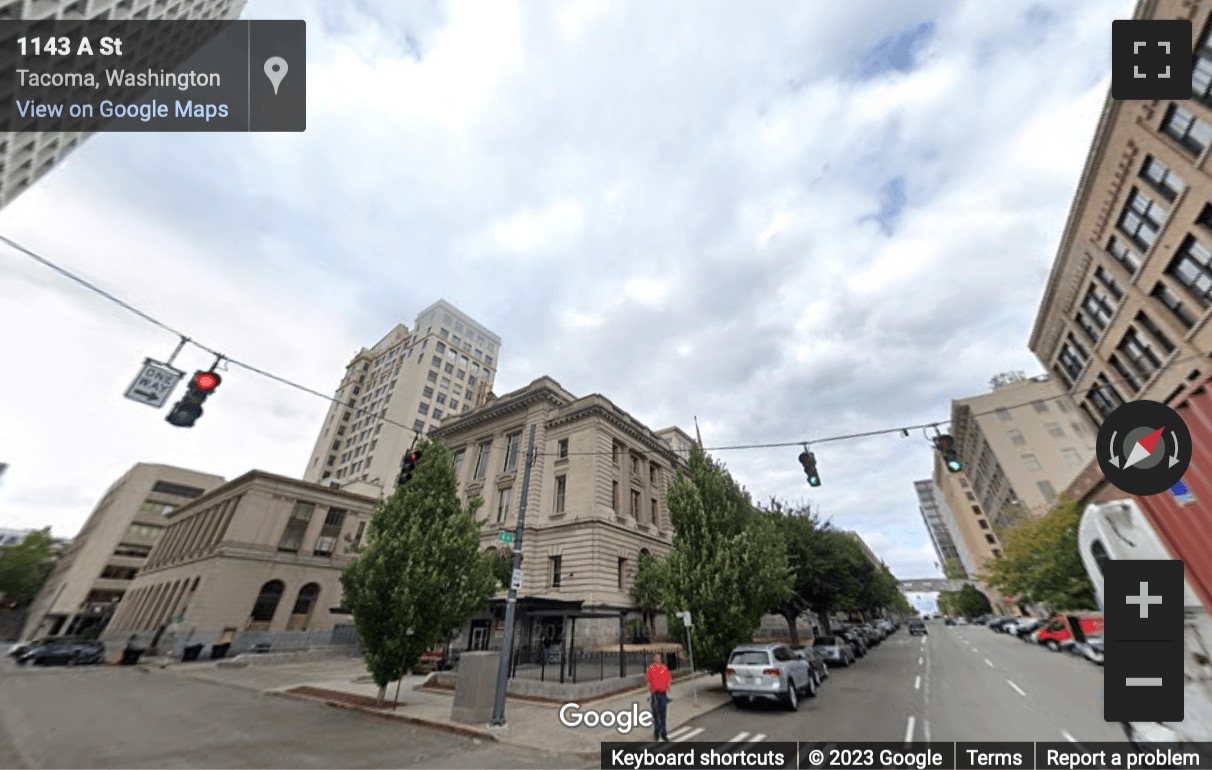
column 528, row 723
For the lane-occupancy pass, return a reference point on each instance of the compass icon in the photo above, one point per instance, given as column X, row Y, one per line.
column 1144, row 448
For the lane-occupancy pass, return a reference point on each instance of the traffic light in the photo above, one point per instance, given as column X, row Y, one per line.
column 808, row 460
column 946, row 447
column 410, row 464
column 187, row 411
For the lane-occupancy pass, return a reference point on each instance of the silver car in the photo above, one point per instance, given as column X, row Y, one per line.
column 768, row 672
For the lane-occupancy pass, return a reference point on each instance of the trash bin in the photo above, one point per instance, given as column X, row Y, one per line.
column 219, row 650
column 131, row 655
column 191, row 653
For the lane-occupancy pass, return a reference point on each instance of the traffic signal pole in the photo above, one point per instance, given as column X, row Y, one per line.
column 511, row 600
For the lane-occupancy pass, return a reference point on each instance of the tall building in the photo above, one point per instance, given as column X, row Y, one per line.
column 445, row 366
column 972, row 532
column 1124, row 312
column 25, row 157
column 256, row 560
column 931, row 504
column 95, row 571
column 596, row 505
column 1021, row 444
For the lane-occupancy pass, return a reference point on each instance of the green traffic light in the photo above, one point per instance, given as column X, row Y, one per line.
column 954, row 466
column 814, row 481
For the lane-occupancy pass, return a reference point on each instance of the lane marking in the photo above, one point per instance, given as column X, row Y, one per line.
column 917, row 683
column 688, row 735
column 919, row 661
column 926, row 729
column 758, row 738
column 1017, row 689
column 909, row 732
column 1068, row 737
column 990, row 663
column 738, row 737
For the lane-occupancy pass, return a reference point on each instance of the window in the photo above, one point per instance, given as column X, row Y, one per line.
column 1188, row 130
column 1192, row 267
column 296, row 526
column 180, row 490
column 1147, row 324
column 560, row 491
column 996, row 553
column 1045, row 489
column 1106, row 279
column 983, row 524
column 1093, row 331
column 152, row 508
column 622, row 573
column 635, row 503
column 616, row 452
column 1183, row 314
column 976, row 509
column 327, row 542
column 1003, row 414
column 653, row 474
column 1139, row 355
column 635, row 465
column 614, row 496
column 418, row 426
column 1072, row 456
column 971, row 497
column 1201, row 74
column 511, row 453
column 1099, row 309
column 1141, row 220
column 441, row 398
column 423, row 409
column 437, row 414
column 656, row 511
column 361, row 530
column 1016, row 436
column 437, row 361
column 1073, row 358
column 432, row 376
column 458, row 463
column 1032, row 462
column 440, row 347
column 1101, row 557
column 990, row 539
column 1055, row 430
column 482, row 462
column 267, row 601
column 562, row 452
column 1041, row 407
column 1124, row 255
column 504, row 499
column 1162, row 179
column 555, row 565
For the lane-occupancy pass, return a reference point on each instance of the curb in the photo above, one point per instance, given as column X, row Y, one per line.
column 463, row 730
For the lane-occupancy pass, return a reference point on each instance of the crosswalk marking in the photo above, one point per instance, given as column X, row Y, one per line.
column 685, row 736
column 738, row 737
column 687, row 733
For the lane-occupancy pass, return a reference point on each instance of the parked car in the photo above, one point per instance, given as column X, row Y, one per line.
column 1025, row 627
column 948, row 621
column 1092, row 649
column 768, row 672
column 961, row 621
column 917, row 628
column 834, row 650
column 64, row 653
column 856, row 642
column 820, row 670
column 1062, row 632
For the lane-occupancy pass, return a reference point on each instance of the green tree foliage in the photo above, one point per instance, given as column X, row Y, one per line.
column 649, row 588
column 1040, row 559
column 422, row 572
column 502, row 566
column 841, row 574
column 967, row 601
column 24, row 567
column 800, row 530
column 728, row 565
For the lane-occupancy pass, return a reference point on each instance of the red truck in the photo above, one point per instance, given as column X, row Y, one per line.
column 1063, row 631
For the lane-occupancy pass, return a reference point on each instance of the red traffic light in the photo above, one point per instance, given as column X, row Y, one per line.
column 206, row 381
column 414, row 457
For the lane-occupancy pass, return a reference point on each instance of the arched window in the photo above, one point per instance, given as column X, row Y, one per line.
column 267, row 601
column 306, row 602
column 1099, row 552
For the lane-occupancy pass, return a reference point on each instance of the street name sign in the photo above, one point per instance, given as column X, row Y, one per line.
column 154, row 383
column 505, row 537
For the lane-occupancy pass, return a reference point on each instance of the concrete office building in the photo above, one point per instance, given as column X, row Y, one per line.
column 445, row 366
column 94, row 573
column 940, row 523
column 1021, row 444
column 971, row 529
column 25, row 157
column 255, row 560
column 1124, row 314
column 596, row 504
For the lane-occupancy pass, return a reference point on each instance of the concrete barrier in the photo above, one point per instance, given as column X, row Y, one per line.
column 280, row 658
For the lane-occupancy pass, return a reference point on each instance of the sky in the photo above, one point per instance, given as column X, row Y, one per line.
column 791, row 220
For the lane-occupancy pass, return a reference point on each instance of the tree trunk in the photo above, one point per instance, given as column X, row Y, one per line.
column 382, row 694
column 792, row 628
column 724, row 679
column 824, row 616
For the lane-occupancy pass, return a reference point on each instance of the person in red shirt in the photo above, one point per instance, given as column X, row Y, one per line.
column 658, row 695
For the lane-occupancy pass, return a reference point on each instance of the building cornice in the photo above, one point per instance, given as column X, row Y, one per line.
column 645, row 436
column 256, row 479
column 498, row 409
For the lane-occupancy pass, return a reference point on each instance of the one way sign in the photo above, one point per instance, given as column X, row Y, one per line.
column 154, row 383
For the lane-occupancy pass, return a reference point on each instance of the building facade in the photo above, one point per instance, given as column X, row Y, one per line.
column 940, row 525
column 96, row 570
column 1124, row 314
column 1022, row 444
column 596, row 505
column 257, row 559
column 445, row 366
column 27, row 156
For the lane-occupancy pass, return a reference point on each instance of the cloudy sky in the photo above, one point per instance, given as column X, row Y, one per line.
column 794, row 220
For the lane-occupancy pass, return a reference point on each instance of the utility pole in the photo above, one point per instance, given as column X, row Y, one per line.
column 511, row 600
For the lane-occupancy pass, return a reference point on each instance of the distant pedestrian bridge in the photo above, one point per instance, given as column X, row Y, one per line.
column 926, row 585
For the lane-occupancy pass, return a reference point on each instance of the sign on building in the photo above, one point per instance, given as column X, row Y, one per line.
column 1182, row 493
column 154, row 383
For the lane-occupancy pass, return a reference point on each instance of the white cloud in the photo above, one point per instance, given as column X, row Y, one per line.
column 673, row 209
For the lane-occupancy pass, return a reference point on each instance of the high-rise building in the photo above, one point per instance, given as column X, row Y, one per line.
column 95, row 571
column 932, row 506
column 1021, row 444
column 25, row 157
column 971, row 530
column 445, row 366
column 1124, row 313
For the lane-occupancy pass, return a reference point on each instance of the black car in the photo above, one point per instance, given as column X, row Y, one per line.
column 817, row 662
column 64, row 653
column 917, row 628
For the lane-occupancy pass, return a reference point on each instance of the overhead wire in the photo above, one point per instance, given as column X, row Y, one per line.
column 363, row 412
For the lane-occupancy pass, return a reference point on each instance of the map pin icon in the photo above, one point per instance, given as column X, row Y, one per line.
column 275, row 70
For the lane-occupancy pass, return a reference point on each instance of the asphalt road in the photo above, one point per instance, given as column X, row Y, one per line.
column 105, row 717
column 963, row 683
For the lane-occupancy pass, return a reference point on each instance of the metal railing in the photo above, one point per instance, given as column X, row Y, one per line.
column 555, row 664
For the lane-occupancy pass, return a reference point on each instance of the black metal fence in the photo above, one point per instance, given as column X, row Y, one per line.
column 552, row 663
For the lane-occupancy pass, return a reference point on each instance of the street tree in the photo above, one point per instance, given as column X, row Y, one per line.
column 422, row 573
column 799, row 528
column 727, row 566
column 1040, row 559
column 24, row 567
column 649, row 588
column 840, row 571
